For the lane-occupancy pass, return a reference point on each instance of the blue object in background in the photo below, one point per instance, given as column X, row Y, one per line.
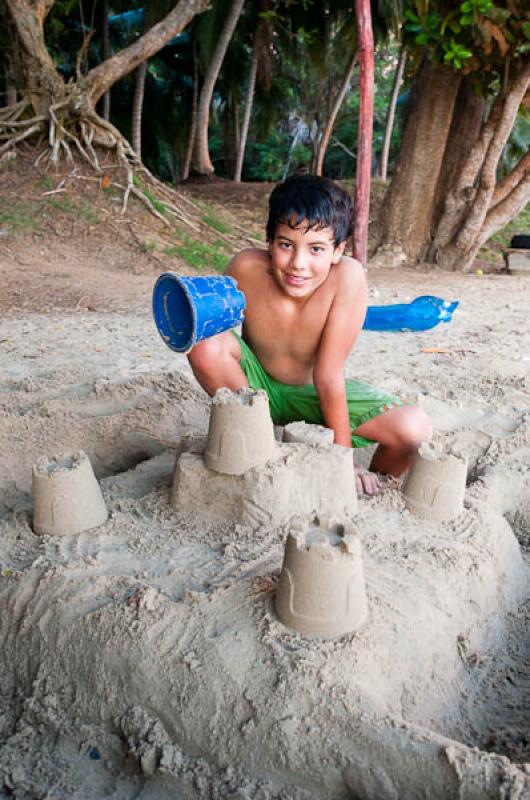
column 189, row 309
column 422, row 314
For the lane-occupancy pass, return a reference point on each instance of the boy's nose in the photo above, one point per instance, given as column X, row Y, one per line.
column 299, row 259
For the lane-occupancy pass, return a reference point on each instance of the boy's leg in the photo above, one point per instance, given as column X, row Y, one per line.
column 399, row 432
column 215, row 363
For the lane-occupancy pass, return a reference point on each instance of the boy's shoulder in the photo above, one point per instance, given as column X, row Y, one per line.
column 248, row 261
column 348, row 273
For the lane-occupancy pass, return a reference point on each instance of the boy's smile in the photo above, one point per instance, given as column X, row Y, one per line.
column 301, row 258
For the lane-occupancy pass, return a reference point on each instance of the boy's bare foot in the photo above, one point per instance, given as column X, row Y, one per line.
column 367, row 482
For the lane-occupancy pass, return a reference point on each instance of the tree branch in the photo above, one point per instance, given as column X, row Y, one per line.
column 482, row 201
column 509, row 182
column 100, row 79
column 506, row 210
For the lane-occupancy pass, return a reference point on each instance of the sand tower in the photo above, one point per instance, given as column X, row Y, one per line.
column 66, row 495
column 435, row 486
column 321, row 590
column 241, row 433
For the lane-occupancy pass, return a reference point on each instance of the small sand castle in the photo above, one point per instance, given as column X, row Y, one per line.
column 435, row 486
column 246, row 477
column 304, row 433
column 241, row 433
column 67, row 498
column 321, row 590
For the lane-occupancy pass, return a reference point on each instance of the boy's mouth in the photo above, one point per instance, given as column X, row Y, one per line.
column 294, row 280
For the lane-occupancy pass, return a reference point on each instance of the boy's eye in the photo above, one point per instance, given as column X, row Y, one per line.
column 317, row 249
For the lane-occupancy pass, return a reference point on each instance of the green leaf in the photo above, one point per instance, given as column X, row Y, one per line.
column 526, row 29
column 466, row 19
column 466, row 7
column 422, row 38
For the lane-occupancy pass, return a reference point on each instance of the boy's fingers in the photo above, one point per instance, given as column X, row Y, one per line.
column 367, row 482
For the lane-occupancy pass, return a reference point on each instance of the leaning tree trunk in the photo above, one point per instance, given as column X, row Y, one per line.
column 193, row 122
column 330, row 124
column 66, row 112
column 364, row 141
column 249, row 101
column 137, row 109
column 201, row 161
column 391, row 112
column 406, row 215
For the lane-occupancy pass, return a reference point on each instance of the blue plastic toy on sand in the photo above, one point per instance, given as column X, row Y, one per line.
column 422, row 314
column 189, row 309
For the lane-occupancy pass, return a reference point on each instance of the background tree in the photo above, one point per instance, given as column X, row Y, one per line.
column 201, row 163
column 445, row 200
column 66, row 112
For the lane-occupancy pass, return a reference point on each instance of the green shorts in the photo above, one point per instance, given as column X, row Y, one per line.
column 291, row 403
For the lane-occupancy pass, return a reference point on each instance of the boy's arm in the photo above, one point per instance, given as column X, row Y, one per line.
column 344, row 322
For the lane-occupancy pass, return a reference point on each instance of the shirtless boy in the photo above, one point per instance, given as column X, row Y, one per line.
column 305, row 306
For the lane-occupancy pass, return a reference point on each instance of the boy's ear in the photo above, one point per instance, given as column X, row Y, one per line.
column 338, row 252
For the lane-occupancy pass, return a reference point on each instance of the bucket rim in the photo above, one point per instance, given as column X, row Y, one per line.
column 190, row 342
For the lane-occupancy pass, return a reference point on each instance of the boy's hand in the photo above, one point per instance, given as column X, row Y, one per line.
column 366, row 482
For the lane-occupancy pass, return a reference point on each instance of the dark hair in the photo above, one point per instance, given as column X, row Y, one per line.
column 317, row 202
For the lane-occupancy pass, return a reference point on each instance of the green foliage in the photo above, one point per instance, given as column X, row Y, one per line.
column 216, row 223
column 200, row 256
column 17, row 216
column 472, row 36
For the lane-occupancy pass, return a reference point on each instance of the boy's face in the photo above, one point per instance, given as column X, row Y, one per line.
column 302, row 257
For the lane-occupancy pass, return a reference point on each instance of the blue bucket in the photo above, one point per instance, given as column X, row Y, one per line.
column 187, row 310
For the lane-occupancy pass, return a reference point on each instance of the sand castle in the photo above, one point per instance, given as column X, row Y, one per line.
column 435, row 486
column 245, row 477
column 67, row 498
column 241, row 433
column 321, row 590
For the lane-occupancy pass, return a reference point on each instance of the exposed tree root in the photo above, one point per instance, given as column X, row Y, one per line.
column 103, row 148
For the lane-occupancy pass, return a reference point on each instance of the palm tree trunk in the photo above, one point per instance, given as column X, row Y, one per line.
column 328, row 130
column 249, row 101
column 364, row 141
column 138, row 102
column 105, row 51
column 391, row 112
column 201, row 161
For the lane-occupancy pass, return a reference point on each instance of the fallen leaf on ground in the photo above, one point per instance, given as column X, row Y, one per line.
column 435, row 350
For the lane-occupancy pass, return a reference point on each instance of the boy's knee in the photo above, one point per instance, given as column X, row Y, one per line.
column 414, row 427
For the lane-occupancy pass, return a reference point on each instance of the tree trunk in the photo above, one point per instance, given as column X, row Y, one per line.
column 44, row 85
column 10, row 81
column 193, row 122
column 41, row 78
column 330, row 124
column 406, row 215
column 138, row 103
column 444, row 200
column 478, row 207
column 364, row 141
column 466, row 125
column 391, row 112
column 102, row 77
column 201, row 161
column 105, row 51
column 249, row 101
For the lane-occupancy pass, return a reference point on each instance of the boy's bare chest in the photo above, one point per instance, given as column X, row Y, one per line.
column 285, row 337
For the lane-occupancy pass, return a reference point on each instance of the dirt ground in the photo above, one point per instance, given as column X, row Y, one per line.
column 144, row 658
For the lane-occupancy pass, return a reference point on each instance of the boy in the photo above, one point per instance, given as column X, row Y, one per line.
column 305, row 306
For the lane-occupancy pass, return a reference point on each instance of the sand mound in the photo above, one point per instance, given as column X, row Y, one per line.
column 144, row 658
